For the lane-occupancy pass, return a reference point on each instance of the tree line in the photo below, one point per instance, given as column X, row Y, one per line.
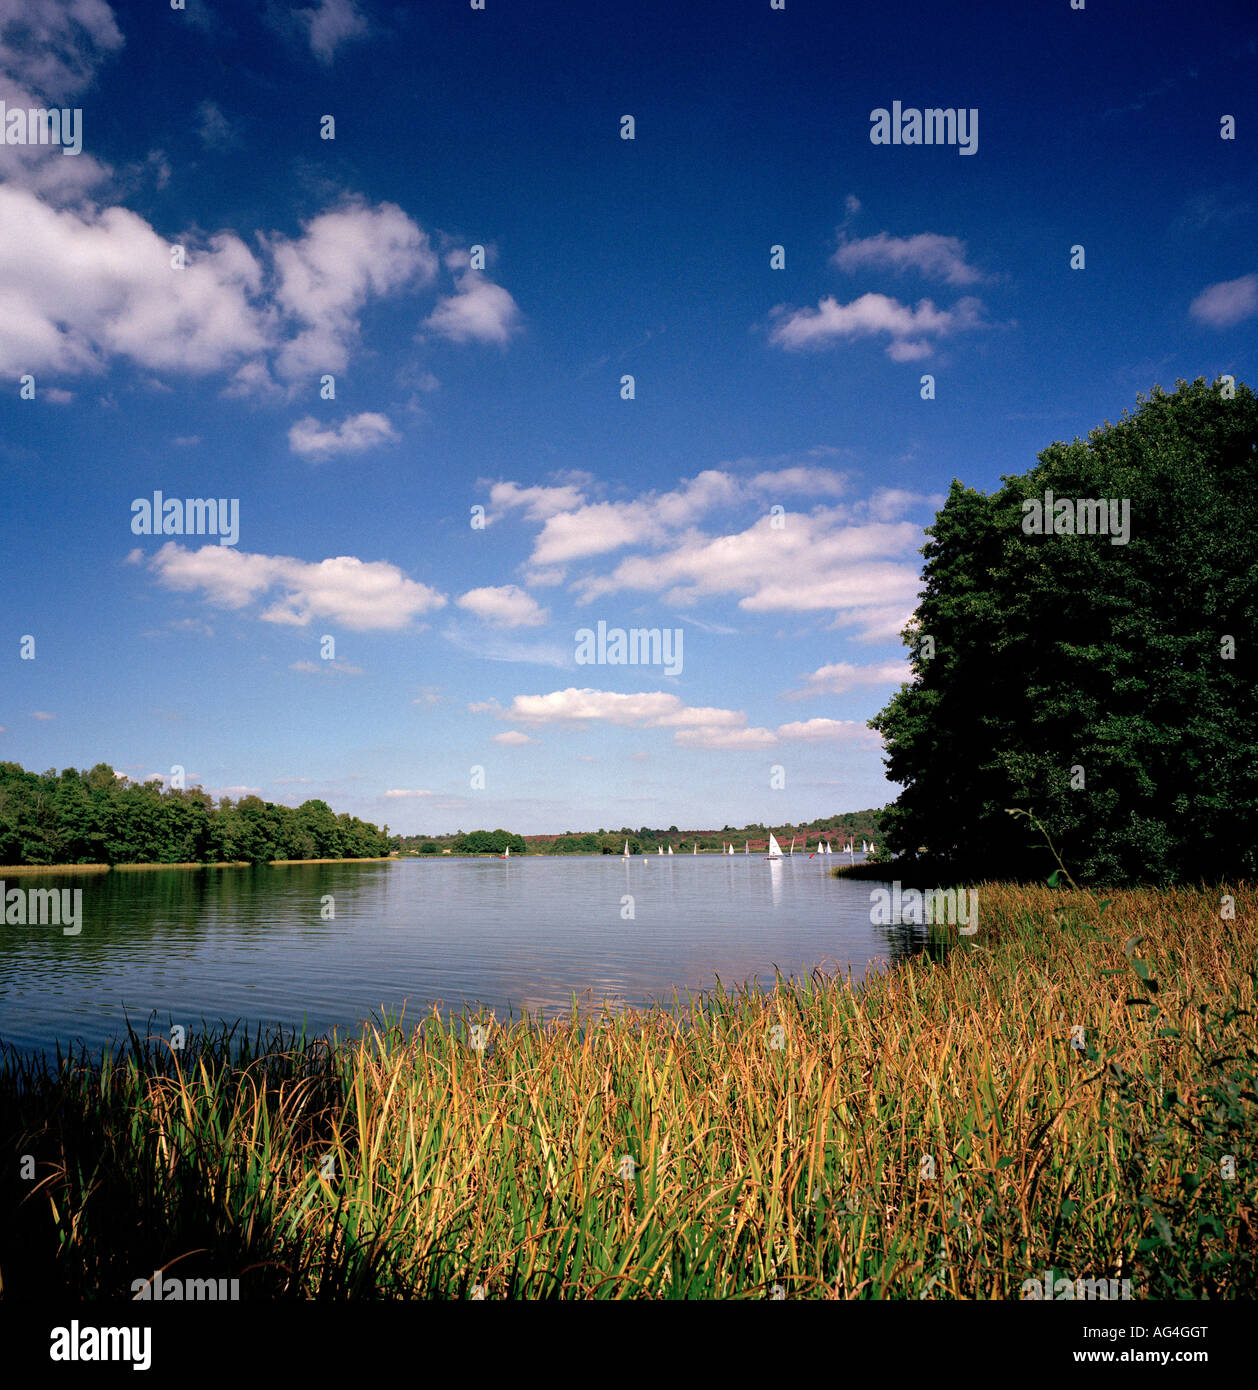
column 99, row 817
column 1105, row 683
column 645, row 840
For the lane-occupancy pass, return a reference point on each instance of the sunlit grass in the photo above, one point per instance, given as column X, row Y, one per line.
column 747, row 1143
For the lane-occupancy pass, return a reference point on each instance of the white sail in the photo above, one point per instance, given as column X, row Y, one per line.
column 694, row 849
column 626, row 853
column 506, row 854
column 775, row 850
column 792, row 846
column 670, row 849
column 746, row 846
column 731, row 847
column 659, row 849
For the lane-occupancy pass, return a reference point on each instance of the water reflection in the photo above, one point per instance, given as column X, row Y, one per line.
column 332, row 944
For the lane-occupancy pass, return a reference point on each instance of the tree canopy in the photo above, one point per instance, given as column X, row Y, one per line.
column 97, row 817
column 1108, row 688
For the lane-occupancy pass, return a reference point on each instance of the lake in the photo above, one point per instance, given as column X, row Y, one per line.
column 512, row 935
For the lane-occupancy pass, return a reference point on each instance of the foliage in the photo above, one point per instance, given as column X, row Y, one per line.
column 1087, row 680
column 98, row 817
column 1077, row 1081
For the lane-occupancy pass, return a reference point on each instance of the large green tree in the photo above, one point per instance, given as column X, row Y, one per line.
column 1107, row 688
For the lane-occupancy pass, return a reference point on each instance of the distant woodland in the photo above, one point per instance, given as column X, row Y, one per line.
column 858, row 825
column 99, row 817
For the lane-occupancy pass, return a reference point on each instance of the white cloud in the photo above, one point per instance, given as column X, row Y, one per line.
column 811, row 482
column 42, row 714
column 857, row 557
column 354, row 434
column 343, row 258
column 817, row 561
column 938, row 257
column 49, row 53
column 331, row 24
column 479, row 311
column 910, row 329
column 595, row 528
column 407, row 792
column 505, row 605
column 79, row 287
column 513, row 738
column 693, row 726
column 1228, row 303
column 841, row 676
column 538, row 502
column 361, row 595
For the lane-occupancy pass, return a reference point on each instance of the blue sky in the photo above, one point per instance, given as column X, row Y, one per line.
column 458, row 387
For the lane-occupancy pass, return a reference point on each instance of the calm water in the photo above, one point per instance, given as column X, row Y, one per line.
column 512, row 935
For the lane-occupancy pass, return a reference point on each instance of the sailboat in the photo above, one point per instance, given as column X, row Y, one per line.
column 506, row 854
column 864, row 847
column 670, row 849
column 659, row 849
column 626, row 853
column 775, row 850
column 694, row 849
column 731, row 847
column 746, row 846
column 792, row 846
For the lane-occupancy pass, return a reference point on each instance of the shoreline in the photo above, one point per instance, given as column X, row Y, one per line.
column 554, row 1111
column 183, row 864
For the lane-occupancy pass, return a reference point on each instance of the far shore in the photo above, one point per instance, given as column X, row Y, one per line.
column 221, row 864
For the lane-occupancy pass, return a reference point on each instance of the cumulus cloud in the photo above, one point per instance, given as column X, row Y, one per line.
column 537, row 502
column 505, row 605
column 513, row 738
column 478, row 312
column 841, row 676
column 79, row 287
column 49, row 54
column 937, row 257
column 856, row 557
column 597, row 527
column 354, row 434
column 343, row 258
column 360, row 595
column 1228, row 303
column 911, row 330
column 692, row 726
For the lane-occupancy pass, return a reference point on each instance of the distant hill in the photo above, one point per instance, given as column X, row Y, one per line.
column 852, row 825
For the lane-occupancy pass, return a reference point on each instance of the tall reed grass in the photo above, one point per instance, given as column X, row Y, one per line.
column 942, row 1131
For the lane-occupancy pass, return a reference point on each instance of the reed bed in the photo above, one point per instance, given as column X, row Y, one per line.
column 941, row 1131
